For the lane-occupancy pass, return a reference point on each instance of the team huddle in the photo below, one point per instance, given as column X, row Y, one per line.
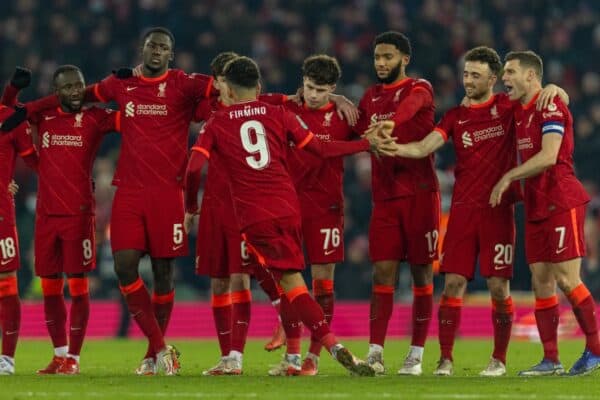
column 273, row 202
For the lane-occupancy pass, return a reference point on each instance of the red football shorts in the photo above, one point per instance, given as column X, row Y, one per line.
column 406, row 228
column 149, row 220
column 64, row 244
column 557, row 238
column 324, row 239
column 9, row 247
column 487, row 232
column 276, row 243
column 219, row 248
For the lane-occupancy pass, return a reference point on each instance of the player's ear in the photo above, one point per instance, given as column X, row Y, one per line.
column 258, row 89
column 405, row 59
column 333, row 87
column 172, row 56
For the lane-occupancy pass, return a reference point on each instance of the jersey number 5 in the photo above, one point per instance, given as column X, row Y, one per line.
column 254, row 140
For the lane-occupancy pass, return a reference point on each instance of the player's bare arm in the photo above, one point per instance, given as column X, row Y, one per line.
column 421, row 149
column 537, row 164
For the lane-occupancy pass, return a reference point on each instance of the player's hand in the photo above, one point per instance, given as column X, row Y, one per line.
column 548, row 93
column 466, row 102
column 14, row 120
column 188, row 222
column 123, row 73
column 346, row 110
column 385, row 127
column 498, row 190
column 297, row 97
column 138, row 70
column 21, row 78
column 13, row 188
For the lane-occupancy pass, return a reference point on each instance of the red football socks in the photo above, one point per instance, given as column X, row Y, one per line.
column 449, row 320
column 546, row 318
column 162, row 305
column 267, row 283
column 55, row 310
column 382, row 304
column 584, row 309
column 80, row 313
column 502, row 320
column 240, row 318
column 221, row 308
column 290, row 320
column 10, row 315
column 323, row 292
column 421, row 314
column 140, row 308
column 311, row 316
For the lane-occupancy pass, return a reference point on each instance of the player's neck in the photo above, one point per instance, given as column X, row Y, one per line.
column 483, row 99
column 148, row 73
column 531, row 92
column 245, row 99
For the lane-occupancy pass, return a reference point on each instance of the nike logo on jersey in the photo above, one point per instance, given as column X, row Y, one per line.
column 49, row 117
column 130, row 88
column 500, row 267
column 374, row 99
column 519, row 123
column 4, row 262
column 558, row 251
column 432, row 254
column 463, row 121
column 177, row 247
column 328, row 252
column 87, row 262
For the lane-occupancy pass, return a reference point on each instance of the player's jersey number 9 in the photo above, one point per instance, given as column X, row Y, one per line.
column 254, row 140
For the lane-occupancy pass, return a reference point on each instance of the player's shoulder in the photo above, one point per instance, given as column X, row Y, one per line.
column 97, row 112
column 420, row 83
column 455, row 112
column 556, row 109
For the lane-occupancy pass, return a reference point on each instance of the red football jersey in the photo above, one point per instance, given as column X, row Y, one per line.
column 252, row 139
column 318, row 181
column 13, row 143
column 156, row 113
column 394, row 177
column 556, row 189
column 484, row 142
column 68, row 145
column 216, row 189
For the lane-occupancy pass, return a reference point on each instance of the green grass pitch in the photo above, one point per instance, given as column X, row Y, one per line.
column 107, row 373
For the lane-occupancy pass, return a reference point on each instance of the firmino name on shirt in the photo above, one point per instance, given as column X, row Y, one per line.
column 248, row 112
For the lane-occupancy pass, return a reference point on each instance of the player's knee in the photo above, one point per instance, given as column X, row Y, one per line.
column 125, row 274
column 220, row 286
column 454, row 285
column 567, row 284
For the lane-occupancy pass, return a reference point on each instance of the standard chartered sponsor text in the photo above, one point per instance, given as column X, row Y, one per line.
column 151, row 109
column 488, row 133
column 67, row 140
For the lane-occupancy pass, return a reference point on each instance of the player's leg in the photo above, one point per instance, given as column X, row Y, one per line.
column 420, row 223
column 502, row 319
column 323, row 278
column 449, row 314
column 386, row 248
column 49, row 267
column 546, row 318
column 313, row 318
column 566, row 264
column 221, row 310
column 274, row 292
column 163, row 296
column 292, row 325
column 497, row 243
column 241, row 298
column 78, row 249
column 567, row 275
column 163, row 215
column 10, row 304
column 10, row 310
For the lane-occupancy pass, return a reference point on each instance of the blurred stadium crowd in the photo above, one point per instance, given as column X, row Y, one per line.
column 100, row 35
